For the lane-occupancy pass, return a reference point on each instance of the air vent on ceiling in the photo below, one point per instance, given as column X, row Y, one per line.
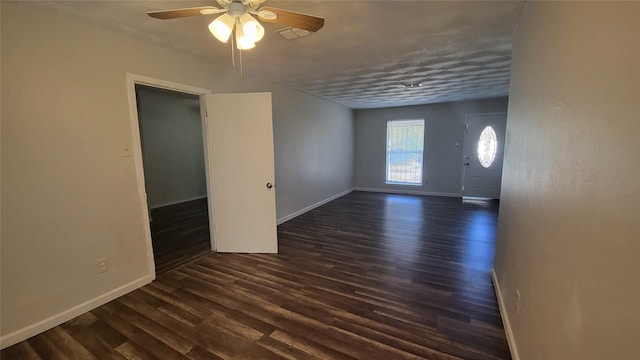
column 290, row 33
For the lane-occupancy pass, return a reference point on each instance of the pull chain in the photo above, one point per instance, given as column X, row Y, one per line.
column 233, row 57
column 233, row 52
column 241, row 73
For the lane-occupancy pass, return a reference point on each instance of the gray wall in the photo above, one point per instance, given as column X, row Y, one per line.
column 172, row 151
column 444, row 141
column 569, row 226
column 313, row 141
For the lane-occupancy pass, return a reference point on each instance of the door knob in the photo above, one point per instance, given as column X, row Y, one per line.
column 269, row 185
column 466, row 163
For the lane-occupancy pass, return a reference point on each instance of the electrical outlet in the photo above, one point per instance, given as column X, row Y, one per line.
column 126, row 151
column 517, row 302
column 102, row 265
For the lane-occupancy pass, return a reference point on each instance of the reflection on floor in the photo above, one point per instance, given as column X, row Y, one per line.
column 180, row 233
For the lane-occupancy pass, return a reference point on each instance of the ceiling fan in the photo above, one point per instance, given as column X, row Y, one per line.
column 237, row 14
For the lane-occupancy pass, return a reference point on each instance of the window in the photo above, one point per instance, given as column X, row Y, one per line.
column 405, row 144
column 487, row 147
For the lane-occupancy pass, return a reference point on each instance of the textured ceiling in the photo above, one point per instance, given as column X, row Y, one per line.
column 458, row 50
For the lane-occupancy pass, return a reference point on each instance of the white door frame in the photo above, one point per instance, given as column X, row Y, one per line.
column 136, row 147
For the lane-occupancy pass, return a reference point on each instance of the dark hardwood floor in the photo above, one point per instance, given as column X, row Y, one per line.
column 367, row 276
column 179, row 233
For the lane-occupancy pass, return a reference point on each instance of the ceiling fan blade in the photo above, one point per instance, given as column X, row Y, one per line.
column 290, row 18
column 180, row 13
column 253, row 4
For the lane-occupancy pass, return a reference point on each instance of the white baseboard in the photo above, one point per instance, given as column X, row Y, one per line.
column 311, row 207
column 55, row 320
column 505, row 317
column 177, row 202
column 407, row 192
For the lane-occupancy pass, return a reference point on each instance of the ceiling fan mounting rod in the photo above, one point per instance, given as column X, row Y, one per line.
column 237, row 9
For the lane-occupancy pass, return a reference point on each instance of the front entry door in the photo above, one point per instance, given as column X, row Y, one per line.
column 241, row 172
column 483, row 155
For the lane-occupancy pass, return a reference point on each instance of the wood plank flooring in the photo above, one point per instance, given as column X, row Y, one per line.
column 179, row 233
column 367, row 276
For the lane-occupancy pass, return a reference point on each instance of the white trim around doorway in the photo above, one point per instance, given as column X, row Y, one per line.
column 136, row 145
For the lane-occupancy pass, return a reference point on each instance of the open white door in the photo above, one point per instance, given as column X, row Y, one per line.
column 241, row 172
column 483, row 153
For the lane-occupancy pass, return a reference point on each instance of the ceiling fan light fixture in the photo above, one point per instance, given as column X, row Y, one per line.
column 243, row 42
column 222, row 27
column 237, row 16
column 251, row 28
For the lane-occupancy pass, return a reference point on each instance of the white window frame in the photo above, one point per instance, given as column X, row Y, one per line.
column 418, row 146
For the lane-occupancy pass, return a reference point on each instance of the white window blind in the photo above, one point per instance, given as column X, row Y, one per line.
column 405, row 145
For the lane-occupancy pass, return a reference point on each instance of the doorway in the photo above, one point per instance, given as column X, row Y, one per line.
column 172, row 144
column 483, row 154
column 238, row 148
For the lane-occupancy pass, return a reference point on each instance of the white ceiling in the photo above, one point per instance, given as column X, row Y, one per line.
column 458, row 50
